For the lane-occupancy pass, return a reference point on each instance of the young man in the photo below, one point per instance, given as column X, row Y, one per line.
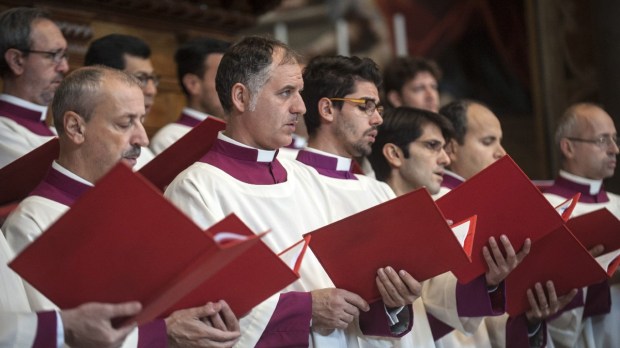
column 412, row 81
column 259, row 83
column 98, row 114
column 34, row 61
column 197, row 63
column 131, row 55
column 588, row 142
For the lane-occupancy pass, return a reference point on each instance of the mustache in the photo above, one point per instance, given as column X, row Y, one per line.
column 371, row 129
column 134, row 152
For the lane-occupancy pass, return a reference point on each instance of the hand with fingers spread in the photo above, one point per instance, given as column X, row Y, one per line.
column 211, row 325
column 500, row 265
column 397, row 289
column 89, row 325
column 335, row 308
column 545, row 304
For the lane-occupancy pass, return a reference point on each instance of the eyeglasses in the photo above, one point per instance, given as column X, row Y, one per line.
column 367, row 105
column 432, row 145
column 56, row 56
column 144, row 79
column 604, row 141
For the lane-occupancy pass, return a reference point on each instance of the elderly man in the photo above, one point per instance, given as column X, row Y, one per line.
column 197, row 63
column 259, row 84
column 588, row 142
column 98, row 114
column 412, row 81
column 133, row 56
column 34, row 61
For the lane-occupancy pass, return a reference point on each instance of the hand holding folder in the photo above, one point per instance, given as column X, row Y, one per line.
column 408, row 232
column 122, row 241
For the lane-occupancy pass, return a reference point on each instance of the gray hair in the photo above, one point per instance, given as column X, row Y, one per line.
column 15, row 30
column 80, row 92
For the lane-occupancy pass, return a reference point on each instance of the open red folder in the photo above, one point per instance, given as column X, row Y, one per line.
column 184, row 152
column 123, row 241
column 557, row 256
column 20, row 177
column 408, row 233
column 506, row 202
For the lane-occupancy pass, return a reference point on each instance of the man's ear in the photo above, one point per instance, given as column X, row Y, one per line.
column 240, row 97
column 393, row 155
column 191, row 83
column 394, row 98
column 567, row 148
column 326, row 110
column 452, row 149
column 74, row 127
column 15, row 60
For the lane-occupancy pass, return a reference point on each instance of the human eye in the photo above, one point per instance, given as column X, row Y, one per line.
column 488, row 141
column 434, row 145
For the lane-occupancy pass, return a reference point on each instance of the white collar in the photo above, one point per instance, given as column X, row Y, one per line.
column 343, row 164
column 193, row 113
column 595, row 185
column 261, row 156
column 70, row 174
column 453, row 174
column 25, row 104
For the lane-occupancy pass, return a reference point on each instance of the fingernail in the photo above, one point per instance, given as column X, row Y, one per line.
column 402, row 273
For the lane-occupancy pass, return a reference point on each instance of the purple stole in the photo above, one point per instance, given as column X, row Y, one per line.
column 27, row 118
column 325, row 165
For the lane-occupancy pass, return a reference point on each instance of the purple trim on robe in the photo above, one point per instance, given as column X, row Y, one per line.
column 438, row 327
column 240, row 163
column 60, row 188
column 567, row 189
column 325, row 165
column 598, row 300
column 47, row 329
column 450, row 181
column 27, row 118
column 517, row 332
column 289, row 325
column 375, row 322
column 474, row 300
column 188, row 120
column 153, row 334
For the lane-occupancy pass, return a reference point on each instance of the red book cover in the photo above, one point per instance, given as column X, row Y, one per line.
column 506, row 202
column 184, row 152
column 408, row 232
column 123, row 241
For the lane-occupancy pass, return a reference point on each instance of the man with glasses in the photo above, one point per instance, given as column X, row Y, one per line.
column 131, row 55
column 588, row 142
column 33, row 65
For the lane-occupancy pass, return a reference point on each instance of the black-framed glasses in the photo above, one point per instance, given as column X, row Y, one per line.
column 432, row 145
column 144, row 79
column 604, row 141
column 367, row 105
column 56, row 56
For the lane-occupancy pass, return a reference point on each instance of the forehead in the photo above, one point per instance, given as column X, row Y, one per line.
column 285, row 74
column 46, row 35
column 594, row 121
column 431, row 131
column 212, row 61
column 423, row 77
column 119, row 98
column 362, row 88
column 134, row 65
column 482, row 120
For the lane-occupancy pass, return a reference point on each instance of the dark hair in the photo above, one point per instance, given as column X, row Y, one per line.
column 456, row 112
column 402, row 69
column 111, row 49
column 333, row 77
column 400, row 127
column 249, row 62
column 190, row 57
column 15, row 31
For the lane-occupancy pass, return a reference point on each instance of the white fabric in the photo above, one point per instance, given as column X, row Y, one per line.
column 146, row 155
column 17, row 140
column 167, row 136
column 288, row 153
column 569, row 329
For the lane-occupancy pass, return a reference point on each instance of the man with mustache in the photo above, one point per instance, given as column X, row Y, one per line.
column 34, row 61
column 588, row 142
column 259, row 82
column 98, row 114
column 131, row 55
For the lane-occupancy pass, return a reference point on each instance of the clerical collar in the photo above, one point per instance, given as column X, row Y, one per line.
column 248, row 153
column 327, row 164
column 62, row 186
column 594, row 186
column 70, row 174
column 451, row 180
column 23, row 108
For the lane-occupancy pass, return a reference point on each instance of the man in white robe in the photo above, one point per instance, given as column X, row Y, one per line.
column 197, row 62
column 259, row 83
column 98, row 115
column 587, row 139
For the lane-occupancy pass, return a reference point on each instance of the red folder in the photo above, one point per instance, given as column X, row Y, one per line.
column 557, row 256
column 20, row 177
column 180, row 155
column 506, row 202
column 408, row 232
column 123, row 241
